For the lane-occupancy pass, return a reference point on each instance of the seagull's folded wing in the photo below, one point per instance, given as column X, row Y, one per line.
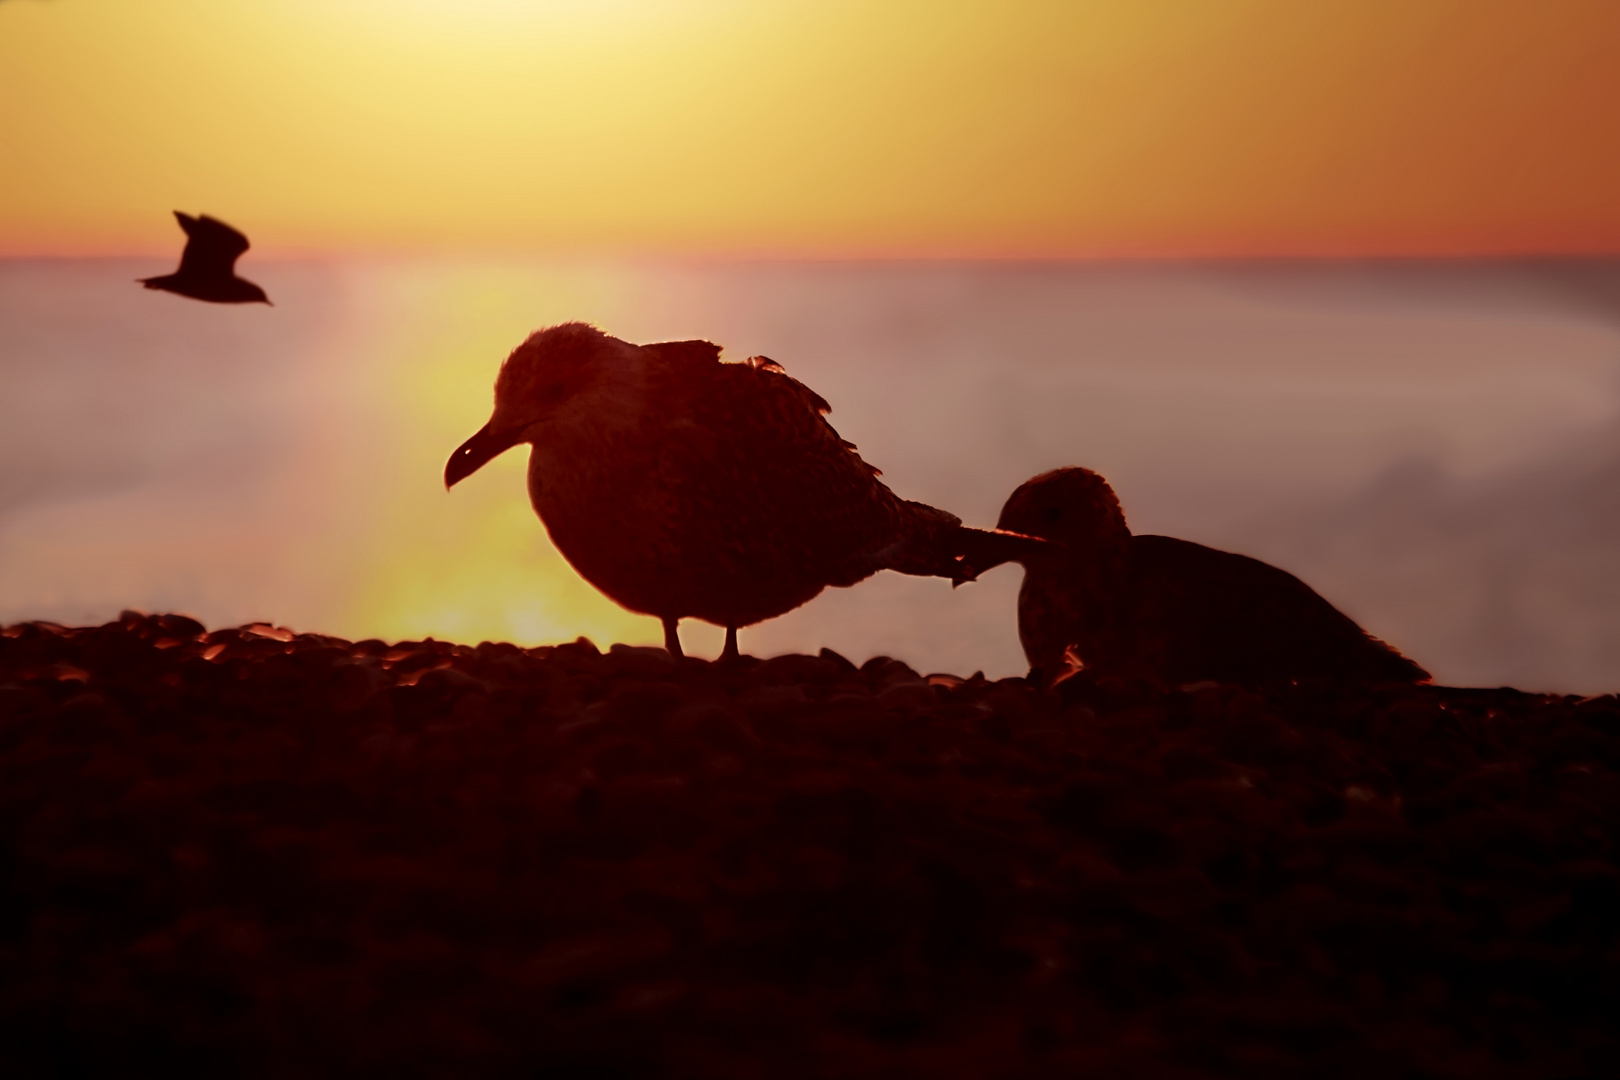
column 770, row 478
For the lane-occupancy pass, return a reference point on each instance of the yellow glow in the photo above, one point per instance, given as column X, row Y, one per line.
column 828, row 127
column 473, row 563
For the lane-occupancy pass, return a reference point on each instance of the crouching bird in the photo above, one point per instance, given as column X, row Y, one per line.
column 1170, row 611
column 684, row 487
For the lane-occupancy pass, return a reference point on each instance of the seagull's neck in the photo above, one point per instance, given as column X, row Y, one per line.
column 614, row 407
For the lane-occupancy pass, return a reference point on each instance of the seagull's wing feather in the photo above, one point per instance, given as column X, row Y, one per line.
column 762, row 473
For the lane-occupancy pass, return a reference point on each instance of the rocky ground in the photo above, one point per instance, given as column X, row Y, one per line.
column 255, row 853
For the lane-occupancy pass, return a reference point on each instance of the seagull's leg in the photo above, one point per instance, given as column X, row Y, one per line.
column 730, row 651
column 672, row 640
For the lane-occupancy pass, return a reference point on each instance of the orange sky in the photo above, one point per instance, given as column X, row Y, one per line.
column 815, row 127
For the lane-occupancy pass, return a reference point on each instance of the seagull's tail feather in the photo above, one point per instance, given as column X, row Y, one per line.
column 961, row 553
column 978, row 550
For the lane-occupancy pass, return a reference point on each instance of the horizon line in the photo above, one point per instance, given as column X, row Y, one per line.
column 676, row 253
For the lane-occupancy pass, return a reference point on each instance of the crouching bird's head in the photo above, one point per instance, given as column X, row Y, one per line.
column 1072, row 506
column 551, row 373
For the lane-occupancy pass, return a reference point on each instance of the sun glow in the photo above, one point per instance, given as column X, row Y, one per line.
column 838, row 127
column 472, row 563
column 478, row 16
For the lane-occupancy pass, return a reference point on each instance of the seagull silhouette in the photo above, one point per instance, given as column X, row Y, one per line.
column 1170, row 611
column 681, row 486
column 208, row 264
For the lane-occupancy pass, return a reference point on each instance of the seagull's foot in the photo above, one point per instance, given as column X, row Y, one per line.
column 672, row 639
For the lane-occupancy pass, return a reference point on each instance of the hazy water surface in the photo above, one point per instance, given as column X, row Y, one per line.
column 1434, row 447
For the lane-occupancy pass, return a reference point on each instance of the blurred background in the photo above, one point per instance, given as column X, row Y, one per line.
column 1333, row 285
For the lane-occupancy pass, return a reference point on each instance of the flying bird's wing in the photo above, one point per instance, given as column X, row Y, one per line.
column 212, row 247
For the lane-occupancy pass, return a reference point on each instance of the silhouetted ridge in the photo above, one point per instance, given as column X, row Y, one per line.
column 258, row 853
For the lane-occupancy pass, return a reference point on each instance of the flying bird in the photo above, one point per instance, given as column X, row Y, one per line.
column 1170, row 611
column 208, row 264
column 684, row 487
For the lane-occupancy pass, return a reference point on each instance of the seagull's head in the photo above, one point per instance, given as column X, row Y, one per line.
column 553, row 369
column 1073, row 506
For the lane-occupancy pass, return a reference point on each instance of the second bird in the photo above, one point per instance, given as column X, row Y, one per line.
column 1170, row 611
column 682, row 487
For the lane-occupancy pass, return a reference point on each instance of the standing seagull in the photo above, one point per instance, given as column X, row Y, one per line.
column 1170, row 611
column 208, row 265
column 682, row 487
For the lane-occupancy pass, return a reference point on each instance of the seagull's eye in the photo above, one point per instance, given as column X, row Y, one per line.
column 1054, row 513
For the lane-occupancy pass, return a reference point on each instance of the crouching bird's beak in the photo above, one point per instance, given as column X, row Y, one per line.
column 473, row 454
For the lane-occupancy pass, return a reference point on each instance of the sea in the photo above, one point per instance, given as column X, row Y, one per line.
column 1433, row 446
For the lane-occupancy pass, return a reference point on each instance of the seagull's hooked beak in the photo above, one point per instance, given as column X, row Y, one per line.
column 473, row 454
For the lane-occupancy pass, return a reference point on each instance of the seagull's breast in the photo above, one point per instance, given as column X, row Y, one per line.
column 600, row 480
column 592, row 456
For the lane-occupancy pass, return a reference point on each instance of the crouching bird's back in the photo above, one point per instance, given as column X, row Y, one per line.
column 1208, row 614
